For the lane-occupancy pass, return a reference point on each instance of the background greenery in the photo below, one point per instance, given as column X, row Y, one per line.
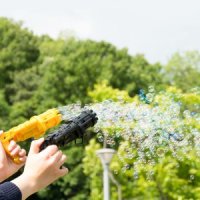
column 38, row 73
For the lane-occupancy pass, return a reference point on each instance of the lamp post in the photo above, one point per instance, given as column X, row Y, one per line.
column 105, row 156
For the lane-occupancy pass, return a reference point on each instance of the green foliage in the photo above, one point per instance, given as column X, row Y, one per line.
column 183, row 70
column 4, row 110
column 68, row 68
column 18, row 50
column 103, row 92
column 38, row 73
column 78, row 67
column 89, row 161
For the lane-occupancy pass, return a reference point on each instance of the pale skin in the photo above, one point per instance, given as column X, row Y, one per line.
column 41, row 168
column 7, row 166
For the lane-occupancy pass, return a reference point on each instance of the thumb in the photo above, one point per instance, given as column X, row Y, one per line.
column 35, row 146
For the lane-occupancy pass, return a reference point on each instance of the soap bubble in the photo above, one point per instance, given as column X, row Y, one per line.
column 135, row 175
column 100, row 137
column 191, row 177
column 160, row 152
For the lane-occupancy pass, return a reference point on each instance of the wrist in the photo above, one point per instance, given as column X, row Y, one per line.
column 26, row 186
column 3, row 174
column 3, row 178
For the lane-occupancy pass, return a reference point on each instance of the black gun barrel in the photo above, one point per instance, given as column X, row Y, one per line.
column 75, row 128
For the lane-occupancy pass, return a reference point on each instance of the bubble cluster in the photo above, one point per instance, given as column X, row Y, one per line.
column 145, row 133
column 70, row 111
column 149, row 97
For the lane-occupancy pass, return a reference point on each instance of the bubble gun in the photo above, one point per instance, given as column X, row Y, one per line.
column 38, row 125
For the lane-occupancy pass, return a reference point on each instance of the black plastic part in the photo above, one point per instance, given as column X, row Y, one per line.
column 72, row 130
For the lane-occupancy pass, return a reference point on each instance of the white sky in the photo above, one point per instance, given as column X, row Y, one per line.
column 156, row 28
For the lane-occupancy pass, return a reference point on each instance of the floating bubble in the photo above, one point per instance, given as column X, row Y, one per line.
column 187, row 114
column 135, row 175
column 191, row 177
column 151, row 89
column 127, row 166
column 100, row 137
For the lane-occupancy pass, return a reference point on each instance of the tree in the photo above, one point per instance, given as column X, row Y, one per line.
column 18, row 51
column 4, row 111
column 134, row 74
column 183, row 70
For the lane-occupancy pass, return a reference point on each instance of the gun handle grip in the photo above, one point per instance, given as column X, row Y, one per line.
column 15, row 159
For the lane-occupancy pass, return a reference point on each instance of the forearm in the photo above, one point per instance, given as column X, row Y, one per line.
column 3, row 174
column 27, row 187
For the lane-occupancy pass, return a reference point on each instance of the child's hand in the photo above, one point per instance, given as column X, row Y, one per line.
column 41, row 169
column 7, row 166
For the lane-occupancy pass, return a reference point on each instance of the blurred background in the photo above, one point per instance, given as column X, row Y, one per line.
column 55, row 53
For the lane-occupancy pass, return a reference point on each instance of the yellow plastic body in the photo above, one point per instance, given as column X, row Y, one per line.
column 34, row 128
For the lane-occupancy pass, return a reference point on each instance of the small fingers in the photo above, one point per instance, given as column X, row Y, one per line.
column 15, row 151
column 12, row 145
column 63, row 171
column 56, row 157
column 23, row 159
column 62, row 160
column 49, row 151
column 22, row 153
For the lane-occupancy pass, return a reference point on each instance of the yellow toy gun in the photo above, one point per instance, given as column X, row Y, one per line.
column 34, row 128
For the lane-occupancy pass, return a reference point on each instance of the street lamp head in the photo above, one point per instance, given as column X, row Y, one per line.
column 105, row 155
